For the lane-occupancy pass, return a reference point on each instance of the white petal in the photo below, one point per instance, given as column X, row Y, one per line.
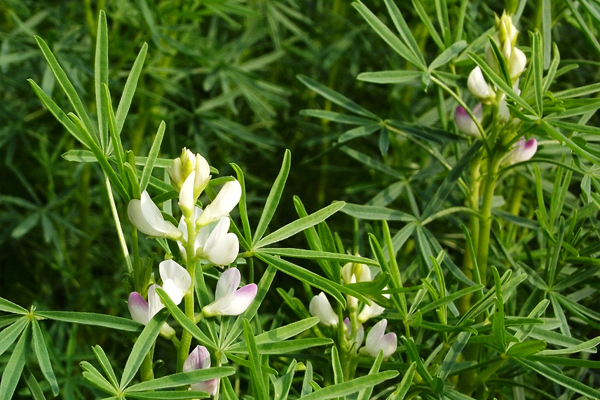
column 376, row 340
column 517, row 63
column 225, row 251
column 228, row 197
column 347, row 273
column 210, row 386
column 370, row 311
column 138, row 308
column 320, row 307
column 136, row 217
column 503, row 110
column 226, row 286
column 186, row 195
column 360, row 335
column 199, row 358
column 362, row 272
column 478, row 86
column 375, row 334
column 242, row 299
column 202, row 175
column 171, row 270
column 154, row 302
column 173, row 291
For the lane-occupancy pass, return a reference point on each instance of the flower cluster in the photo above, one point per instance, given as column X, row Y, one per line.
column 376, row 340
column 206, row 230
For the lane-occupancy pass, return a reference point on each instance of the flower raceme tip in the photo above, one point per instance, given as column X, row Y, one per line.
column 199, row 358
column 186, row 165
column 229, row 300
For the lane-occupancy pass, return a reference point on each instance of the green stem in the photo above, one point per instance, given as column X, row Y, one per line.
column 146, row 370
column 190, row 251
column 483, row 242
column 115, row 214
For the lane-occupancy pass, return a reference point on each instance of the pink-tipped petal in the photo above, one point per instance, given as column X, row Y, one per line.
column 241, row 300
column 529, row 149
column 138, row 308
column 226, row 286
column 388, row 344
column 210, row 386
column 465, row 123
column 522, row 151
column 199, row 358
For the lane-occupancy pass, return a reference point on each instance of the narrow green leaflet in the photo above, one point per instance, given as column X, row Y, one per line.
column 41, row 353
column 300, row 224
column 114, row 133
column 181, row 379
column 559, row 378
column 258, row 383
column 141, row 347
column 243, row 205
column 105, row 363
column 10, row 334
column 66, row 85
column 353, row 386
column 168, row 395
column 10, row 307
column 152, row 156
column 273, row 199
column 404, row 385
column 14, row 368
column 94, row 377
column 33, row 386
column 286, row 346
column 388, row 36
column 282, row 386
column 336, row 97
column 101, row 78
column 455, row 351
column 447, row 55
column 376, row 213
column 107, row 321
column 365, row 394
column 130, row 87
column 338, row 374
column 318, row 255
column 391, row 77
column 283, row 332
column 336, row 117
column 403, row 29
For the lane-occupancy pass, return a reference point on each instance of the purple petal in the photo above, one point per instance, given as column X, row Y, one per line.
column 199, row 358
column 138, row 308
column 241, row 300
column 210, row 386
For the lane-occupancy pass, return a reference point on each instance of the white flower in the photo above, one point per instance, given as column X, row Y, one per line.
column 377, row 340
column 478, row 86
column 465, row 123
column 522, row 150
column 176, row 282
column 229, row 300
column 212, row 241
column 146, row 217
column 516, row 64
column 352, row 273
column 199, row 358
column 228, row 197
column 184, row 166
column 320, row 307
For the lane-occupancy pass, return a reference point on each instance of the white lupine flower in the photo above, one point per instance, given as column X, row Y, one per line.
column 187, row 200
column 516, row 63
column 228, row 197
column 378, row 340
column 176, row 280
column 147, row 218
column 229, row 300
column 213, row 242
column 199, row 358
column 478, row 86
column 182, row 168
column 522, row 150
column 465, row 123
column 320, row 307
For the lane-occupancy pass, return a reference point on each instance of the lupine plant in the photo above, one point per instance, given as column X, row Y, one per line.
column 483, row 290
